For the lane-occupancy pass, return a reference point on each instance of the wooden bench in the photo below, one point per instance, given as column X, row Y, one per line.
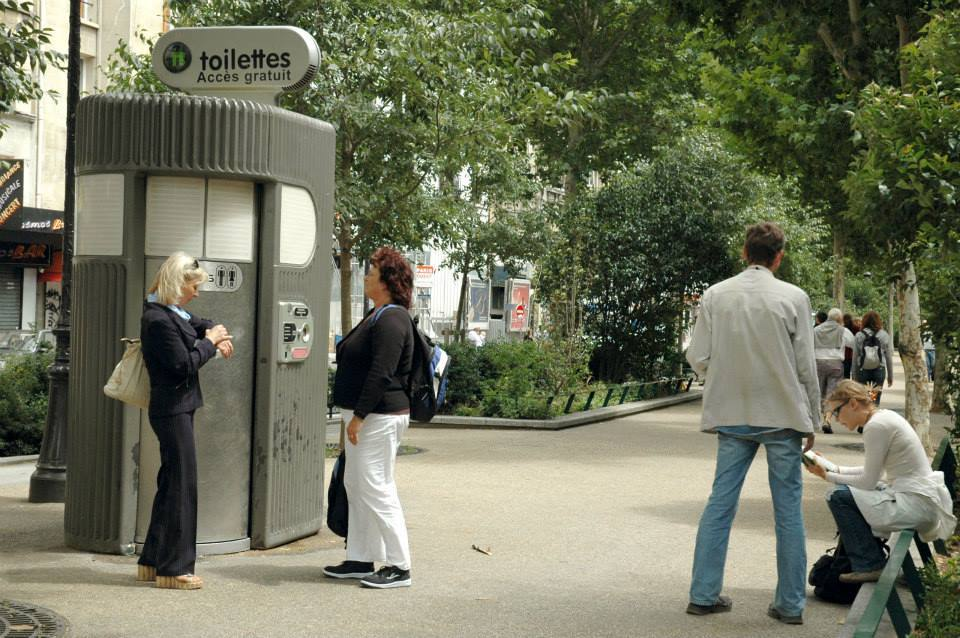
column 867, row 610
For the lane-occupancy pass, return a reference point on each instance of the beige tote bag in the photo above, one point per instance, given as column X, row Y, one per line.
column 129, row 382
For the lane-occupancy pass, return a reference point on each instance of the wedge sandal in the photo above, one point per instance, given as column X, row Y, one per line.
column 185, row 581
column 146, row 573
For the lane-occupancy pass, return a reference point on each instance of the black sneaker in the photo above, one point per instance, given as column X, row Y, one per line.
column 387, row 577
column 827, row 429
column 723, row 604
column 349, row 569
column 775, row 613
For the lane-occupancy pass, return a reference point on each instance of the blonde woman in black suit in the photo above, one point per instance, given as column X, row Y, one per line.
column 175, row 345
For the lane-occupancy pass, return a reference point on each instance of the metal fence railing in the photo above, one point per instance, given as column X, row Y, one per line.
column 611, row 395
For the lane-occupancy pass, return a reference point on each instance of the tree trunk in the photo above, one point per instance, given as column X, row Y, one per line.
column 460, row 327
column 891, row 295
column 571, row 184
column 839, row 245
column 346, row 283
column 939, row 402
column 917, row 407
column 903, row 30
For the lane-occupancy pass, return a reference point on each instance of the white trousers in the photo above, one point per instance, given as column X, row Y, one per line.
column 377, row 531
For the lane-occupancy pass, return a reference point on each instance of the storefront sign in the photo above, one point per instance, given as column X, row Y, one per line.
column 256, row 63
column 25, row 254
column 11, row 190
column 423, row 277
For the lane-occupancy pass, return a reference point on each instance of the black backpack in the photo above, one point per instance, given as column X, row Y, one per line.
column 825, row 575
column 427, row 381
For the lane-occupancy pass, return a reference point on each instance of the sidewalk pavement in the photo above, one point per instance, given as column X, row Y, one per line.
column 591, row 533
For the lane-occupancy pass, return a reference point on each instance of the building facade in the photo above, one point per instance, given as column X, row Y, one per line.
column 32, row 153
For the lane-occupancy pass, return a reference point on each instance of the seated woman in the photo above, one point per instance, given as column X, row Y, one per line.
column 912, row 497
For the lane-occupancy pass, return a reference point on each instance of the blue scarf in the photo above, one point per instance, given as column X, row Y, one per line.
column 152, row 298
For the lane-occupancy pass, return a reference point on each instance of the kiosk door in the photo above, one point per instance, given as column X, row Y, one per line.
column 216, row 221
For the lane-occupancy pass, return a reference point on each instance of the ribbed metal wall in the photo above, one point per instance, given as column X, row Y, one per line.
column 175, row 132
column 95, row 421
column 180, row 134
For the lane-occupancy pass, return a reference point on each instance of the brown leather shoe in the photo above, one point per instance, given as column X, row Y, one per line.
column 184, row 581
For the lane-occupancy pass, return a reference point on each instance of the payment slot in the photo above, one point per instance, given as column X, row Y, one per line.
column 296, row 332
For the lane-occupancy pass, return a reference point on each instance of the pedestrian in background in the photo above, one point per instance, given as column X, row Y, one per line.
column 849, row 324
column 175, row 346
column 373, row 363
column 873, row 354
column 753, row 342
column 930, row 352
column 829, row 341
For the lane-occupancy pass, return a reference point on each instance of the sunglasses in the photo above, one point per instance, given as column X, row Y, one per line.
column 835, row 414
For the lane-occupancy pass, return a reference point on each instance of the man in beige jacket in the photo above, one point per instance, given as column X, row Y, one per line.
column 753, row 342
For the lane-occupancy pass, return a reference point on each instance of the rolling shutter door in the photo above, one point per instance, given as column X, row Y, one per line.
column 10, row 297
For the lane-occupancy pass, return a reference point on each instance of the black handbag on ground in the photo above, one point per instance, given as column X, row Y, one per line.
column 825, row 577
column 337, row 511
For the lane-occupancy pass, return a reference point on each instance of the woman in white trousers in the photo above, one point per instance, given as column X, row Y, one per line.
column 373, row 363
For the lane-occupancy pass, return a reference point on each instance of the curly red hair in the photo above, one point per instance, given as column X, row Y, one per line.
column 396, row 274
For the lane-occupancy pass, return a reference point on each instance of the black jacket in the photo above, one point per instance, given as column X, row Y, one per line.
column 173, row 351
column 373, row 363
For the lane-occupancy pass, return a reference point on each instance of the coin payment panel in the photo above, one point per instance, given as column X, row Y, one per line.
column 296, row 332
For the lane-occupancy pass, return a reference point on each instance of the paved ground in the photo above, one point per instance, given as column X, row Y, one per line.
column 591, row 532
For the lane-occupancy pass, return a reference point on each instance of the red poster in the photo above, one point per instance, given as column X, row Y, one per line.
column 519, row 305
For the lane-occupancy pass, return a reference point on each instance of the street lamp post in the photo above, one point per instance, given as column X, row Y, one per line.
column 48, row 481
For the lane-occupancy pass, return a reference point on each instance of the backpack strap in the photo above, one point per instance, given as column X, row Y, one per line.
column 379, row 312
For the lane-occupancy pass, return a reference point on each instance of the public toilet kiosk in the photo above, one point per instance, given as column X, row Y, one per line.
column 221, row 173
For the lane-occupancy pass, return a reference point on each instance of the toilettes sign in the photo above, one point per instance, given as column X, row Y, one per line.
column 254, row 63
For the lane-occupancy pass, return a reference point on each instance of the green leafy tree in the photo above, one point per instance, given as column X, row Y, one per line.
column 412, row 88
column 658, row 237
column 903, row 183
column 783, row 76
column 649, row 241
column 26, row 54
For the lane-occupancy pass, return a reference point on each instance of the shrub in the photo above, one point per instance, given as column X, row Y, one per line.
column 940, row 617
column 23, row 403
column 513, row 380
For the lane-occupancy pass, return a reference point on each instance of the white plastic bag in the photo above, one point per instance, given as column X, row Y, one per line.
column 129, row 382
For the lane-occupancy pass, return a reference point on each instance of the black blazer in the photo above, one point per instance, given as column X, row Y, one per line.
column 173, row 351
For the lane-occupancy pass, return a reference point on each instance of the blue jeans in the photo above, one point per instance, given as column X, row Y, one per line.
column 858, row 539
column 734, row 455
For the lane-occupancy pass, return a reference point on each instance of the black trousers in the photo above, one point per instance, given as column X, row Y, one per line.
column 876, row 377
column 171, row 544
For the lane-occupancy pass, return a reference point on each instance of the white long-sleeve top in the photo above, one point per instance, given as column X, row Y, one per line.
column 890, row 446
column 895, row 488
column 753, row 342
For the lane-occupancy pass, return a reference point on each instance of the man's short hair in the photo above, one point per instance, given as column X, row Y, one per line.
column 835, row 314
column 764, row 241
column 821, row 316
